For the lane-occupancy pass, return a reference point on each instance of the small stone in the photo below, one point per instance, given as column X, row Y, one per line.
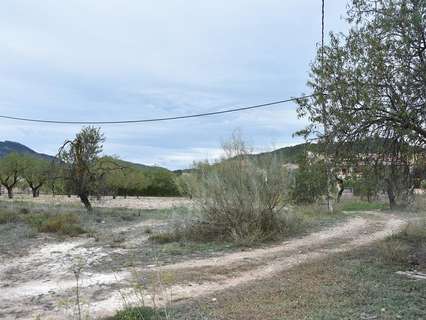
column 214, row 299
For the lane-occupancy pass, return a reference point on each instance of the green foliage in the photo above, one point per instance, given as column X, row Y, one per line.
column 35, row 172
column 139, row 313
column 81, row 169
column 423, row 184
column 134, row 181
column 368, row 182
column 310, row 180
column 362, row 206
column 160, row 183
column 10, row 168
column 370, row 85
column 374, row 79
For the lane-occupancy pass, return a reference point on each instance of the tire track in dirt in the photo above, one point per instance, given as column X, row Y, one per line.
column 195, row 290
column 353, row 233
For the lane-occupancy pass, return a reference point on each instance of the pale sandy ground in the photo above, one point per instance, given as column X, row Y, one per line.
column 108, row 202
column 41, row 283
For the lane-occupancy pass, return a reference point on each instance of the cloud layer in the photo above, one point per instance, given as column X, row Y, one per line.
column 127, row 59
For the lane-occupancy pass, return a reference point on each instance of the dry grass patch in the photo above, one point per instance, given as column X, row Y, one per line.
column 63, row 224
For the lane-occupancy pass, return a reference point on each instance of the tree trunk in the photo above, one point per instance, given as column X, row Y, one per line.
column 341, row 185
column 391, row 193
column 9, row 193
column 85, row 200
column 36, row 192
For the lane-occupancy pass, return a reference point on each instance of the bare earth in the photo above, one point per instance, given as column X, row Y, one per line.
column 108, row 202
column 41, row 283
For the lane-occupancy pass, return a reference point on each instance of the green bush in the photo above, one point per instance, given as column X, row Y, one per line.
column 310, row 181
column 64, row 224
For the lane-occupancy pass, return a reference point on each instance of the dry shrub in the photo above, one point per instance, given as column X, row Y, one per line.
column 242, row 197
column 64, row 224
column 8, row 217
column 406, row 247
column 394, row 251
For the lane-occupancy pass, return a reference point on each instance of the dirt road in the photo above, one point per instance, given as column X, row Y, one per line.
column 42, row 283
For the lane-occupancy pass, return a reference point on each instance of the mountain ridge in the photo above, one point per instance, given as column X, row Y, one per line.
column 8, row 146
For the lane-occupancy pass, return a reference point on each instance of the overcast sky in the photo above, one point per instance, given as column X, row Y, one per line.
column 127, row 59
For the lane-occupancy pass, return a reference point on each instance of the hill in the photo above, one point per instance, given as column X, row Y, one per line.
column 7, row 147
column 287, row 154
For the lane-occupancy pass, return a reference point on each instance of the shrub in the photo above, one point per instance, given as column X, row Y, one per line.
column 165, row 237
column 138, row 313
column 407, row 246
column 8, row 217
column 242, row 197
column 65, row 224
column 394, row 251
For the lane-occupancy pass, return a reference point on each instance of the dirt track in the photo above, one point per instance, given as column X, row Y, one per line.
column 42, row 282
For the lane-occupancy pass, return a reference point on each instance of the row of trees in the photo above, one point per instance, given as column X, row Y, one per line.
column 15, row 168
column 80, row 169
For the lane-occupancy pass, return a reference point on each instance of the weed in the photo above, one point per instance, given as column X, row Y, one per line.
column 138, row 313
column 407, row 247
column 64, row 224
column 8, row 217
column 165, row 237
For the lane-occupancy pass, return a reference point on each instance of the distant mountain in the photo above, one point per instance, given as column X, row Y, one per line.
column 142, row 167
column 7, row 147
column 286, row 155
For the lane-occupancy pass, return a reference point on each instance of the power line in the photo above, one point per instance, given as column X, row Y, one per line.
column 198, row 115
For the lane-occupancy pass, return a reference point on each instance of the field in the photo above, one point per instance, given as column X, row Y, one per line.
column 340, row 266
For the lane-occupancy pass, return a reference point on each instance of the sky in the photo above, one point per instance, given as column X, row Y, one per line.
column 102, row 60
